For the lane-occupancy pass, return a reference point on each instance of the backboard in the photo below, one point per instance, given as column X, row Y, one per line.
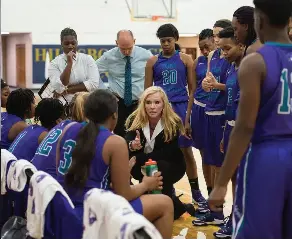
column 154, row 10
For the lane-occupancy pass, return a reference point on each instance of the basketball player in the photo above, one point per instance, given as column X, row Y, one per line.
column 244, row 32
column 233, row 52
column 206, row 44
column 5, row 91
column 243, row 24
column 173, row 71
column 264, row 129
column 20, row 106
column 45, row 155
column 214, row 83
column 49, row 112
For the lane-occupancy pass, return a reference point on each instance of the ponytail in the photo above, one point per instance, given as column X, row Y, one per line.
column 82, row 156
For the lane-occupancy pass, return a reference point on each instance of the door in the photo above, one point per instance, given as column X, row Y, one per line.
column 20, row 65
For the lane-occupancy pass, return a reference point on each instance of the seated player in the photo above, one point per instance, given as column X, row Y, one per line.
column 45, row 155
column 49, row 112
column 20, row 106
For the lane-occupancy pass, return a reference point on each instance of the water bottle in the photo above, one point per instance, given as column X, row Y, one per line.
column 151, row 169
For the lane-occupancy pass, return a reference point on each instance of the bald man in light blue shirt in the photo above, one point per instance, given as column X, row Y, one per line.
column 125, row 65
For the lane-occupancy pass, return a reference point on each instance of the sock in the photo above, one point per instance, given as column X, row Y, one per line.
column 209, row 189
column 194, row 183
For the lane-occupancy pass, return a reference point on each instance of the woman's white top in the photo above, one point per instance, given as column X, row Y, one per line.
column 84, row 70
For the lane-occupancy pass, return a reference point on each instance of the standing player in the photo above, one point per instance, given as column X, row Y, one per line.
column 244, row 32
column 173, row 72
column 265, row 120
column 206, row 44
column 214, row 82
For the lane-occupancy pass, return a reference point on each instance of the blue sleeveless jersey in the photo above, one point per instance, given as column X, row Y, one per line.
column 7, row 121
column 219, row 68
column 200, row 71
column 99, row 174
column 275, row 114
column 45, row 155
column 26, row 143
column 232, row 90
column 171, row 75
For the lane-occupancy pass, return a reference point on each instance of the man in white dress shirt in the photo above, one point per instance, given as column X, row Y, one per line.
column 125, row 65
column 73, row 72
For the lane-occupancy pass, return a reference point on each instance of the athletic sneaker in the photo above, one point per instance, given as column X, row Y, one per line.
column 211, row 218
column 198, row 198
column 226, row 230
column 203, row 208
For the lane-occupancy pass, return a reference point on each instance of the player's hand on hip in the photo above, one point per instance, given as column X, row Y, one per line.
column 216, row 198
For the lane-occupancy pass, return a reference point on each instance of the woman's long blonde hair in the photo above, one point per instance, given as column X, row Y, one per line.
column 76, row 108
column 171, row 121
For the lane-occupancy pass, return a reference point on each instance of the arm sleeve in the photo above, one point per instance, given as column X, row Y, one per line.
column 93, row 78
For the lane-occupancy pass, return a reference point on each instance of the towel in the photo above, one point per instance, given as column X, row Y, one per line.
column 6, row 157
column 123, row 225
column 42, row 189
column 107, row 215
column 99, row 205
column 16, row 177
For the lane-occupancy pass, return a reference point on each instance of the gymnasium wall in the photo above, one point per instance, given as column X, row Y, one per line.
column 97, row 21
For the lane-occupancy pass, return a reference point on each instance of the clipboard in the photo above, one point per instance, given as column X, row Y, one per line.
column 47, row 91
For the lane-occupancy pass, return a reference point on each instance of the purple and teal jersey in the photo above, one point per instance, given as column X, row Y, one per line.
column 45, row 155
column 220, row 69
column 7, row 121
column 232, row 90
column 200, row 71
column 171, row 75
column 274, row 118
column 26, row 143
column 99, row 174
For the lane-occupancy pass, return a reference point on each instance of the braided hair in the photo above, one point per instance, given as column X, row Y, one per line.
column 244, row 15
column 19, row 103
column 48, row 111
column 68, row 32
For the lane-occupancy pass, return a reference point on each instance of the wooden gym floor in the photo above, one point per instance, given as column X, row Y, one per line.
column 195, row 232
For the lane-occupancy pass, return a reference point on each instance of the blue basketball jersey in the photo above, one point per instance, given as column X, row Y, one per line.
column 275, row 115
column 7, row 121
column 26, row 143
column 200, row 71
column 232, row 90
column 99, row 175
column 220, row 69
column 45, row 155
column 171, row 75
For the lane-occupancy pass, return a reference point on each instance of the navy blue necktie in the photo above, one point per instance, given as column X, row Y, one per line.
column 128, row 82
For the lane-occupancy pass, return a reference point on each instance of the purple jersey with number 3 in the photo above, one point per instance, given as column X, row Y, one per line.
column 275, row 115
